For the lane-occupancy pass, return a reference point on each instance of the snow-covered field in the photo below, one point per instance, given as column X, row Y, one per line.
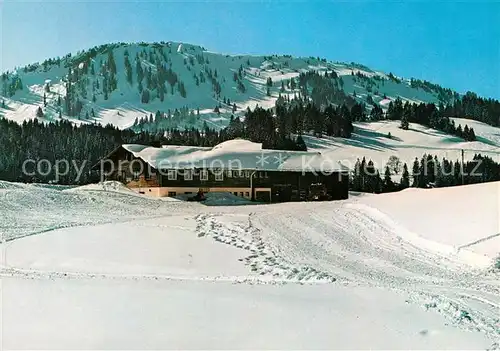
column 371, row 140
column 99, row 267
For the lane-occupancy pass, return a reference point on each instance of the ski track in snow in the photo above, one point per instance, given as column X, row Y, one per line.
column 482, row 240
column 436, row 282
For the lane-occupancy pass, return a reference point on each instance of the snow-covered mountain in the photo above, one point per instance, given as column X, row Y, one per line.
column 117, row 83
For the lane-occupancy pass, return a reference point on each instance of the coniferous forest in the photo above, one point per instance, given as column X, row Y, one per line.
column 426, row 172
column 87, row 144
column 318, row 105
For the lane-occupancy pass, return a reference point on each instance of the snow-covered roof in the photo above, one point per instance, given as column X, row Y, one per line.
column 238, row 154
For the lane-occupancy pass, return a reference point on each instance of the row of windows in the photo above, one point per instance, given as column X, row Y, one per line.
column 219, row 176
column 188, row 174
column 247, row 194
column 242, row 194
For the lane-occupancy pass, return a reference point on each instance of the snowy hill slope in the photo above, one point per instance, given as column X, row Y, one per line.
column 398, row 262
column 485, row 133
column 379, row 141
column 104, row 88
column 480, row 204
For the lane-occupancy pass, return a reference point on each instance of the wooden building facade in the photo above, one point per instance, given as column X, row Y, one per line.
column 144, row 174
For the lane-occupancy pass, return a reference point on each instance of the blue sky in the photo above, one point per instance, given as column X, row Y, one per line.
column 454, row 44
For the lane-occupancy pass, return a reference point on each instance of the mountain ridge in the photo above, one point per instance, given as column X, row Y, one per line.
column 99, row 86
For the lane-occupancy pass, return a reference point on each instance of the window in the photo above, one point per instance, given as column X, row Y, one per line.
column 229, row 174
column 241, row 194
column 188, row 174
column 136, row 175
column 172, row 174
column 203, row 174
column 235, row 193
column 150, row 173
column 172, row 193
column 247, row 194
column 247, row 174
column 188, row 192
column 219, row 175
